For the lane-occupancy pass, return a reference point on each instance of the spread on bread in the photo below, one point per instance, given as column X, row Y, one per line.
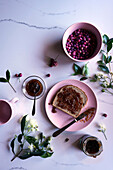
column 70, row 99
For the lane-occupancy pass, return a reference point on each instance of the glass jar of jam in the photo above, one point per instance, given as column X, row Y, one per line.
column 33, row 86
column 91, row 145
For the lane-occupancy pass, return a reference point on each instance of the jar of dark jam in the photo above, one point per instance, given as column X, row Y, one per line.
column 91, row 145
column 33, row 86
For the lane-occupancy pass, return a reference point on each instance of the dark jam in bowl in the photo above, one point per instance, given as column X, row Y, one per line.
column 92, row 147
column 81, row 44
column 34, row 87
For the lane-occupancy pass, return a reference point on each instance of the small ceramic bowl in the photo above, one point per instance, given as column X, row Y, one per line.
column 88, row 28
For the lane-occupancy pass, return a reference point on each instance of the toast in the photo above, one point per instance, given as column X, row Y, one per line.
column 70, row 99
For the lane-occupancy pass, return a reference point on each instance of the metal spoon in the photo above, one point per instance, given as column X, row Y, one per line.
column 36, row 89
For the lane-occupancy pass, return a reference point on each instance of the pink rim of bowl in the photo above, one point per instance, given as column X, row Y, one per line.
column 87, row 26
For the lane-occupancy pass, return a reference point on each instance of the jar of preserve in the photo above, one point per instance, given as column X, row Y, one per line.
column 91, row 145
column 33, row 87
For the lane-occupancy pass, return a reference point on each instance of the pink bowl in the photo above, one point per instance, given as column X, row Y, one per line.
column 86, row 26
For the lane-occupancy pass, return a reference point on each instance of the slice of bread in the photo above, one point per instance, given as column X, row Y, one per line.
column 70, row 99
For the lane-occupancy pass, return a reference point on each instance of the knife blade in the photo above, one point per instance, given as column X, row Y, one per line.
column 81, row 116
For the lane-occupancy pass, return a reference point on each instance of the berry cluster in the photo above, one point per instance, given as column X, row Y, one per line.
column 81, row 44
column 53, row 62
column 18, row 75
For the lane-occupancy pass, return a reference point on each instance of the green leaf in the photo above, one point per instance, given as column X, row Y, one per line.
column 109, row 46
column 77, row 69
column 12, row 145
column 26, row 153
column 85, row 70
column 110, row 40
column 103, row 58
column 46, row 142
column 108, row 59
column 83, row 78
column 94, row 78
column 8, row 75
column 47, row 154
column 103, row 90
column 73, row 74
column 100, row 62
column 30, row 139
column 23, row 121
column 102, row 51
column 3, row 80
column 41, row 136
column 105, row 38
column 38, row 153
column 104, row 68
column 20, row 138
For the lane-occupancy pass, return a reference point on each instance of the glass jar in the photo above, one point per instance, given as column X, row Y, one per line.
column 91, row 145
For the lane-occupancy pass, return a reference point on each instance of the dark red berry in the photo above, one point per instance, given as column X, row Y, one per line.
column 67, row 139
column 48, row 75
column 104, row 114
column 53, row 62
column 20, row 75
column 16, row 75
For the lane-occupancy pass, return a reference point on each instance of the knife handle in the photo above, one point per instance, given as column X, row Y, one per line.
column 59, row 131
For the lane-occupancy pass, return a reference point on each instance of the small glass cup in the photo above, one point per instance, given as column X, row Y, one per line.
column 41, row 83
column 91, row 145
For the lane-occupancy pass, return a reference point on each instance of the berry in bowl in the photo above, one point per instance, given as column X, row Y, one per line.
column 82, row 41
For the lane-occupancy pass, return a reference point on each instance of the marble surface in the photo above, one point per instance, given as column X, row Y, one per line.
column 30, row 33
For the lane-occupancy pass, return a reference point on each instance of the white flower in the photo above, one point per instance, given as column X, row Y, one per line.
column 27, row 118
column 102, row 127
column 100, row 75
column 106, row 83
column 31, row 147
column 33, row 122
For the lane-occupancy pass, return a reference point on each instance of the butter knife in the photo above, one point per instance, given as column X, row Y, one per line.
column 82, row 115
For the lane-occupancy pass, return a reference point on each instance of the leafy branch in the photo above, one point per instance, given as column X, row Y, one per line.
column 28, row 145
column 7, row 79
column 83, row 71
column 104, row 65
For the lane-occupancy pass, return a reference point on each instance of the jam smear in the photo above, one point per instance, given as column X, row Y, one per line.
column 54, row 109
column 34, row 87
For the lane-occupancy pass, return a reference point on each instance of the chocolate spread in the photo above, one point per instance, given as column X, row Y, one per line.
column 34, row 87
column 70, row 100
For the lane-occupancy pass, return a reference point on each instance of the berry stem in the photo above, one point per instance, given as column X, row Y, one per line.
column 12, row 87
column 16, row 155
column 104, row 135
column 108, row 91
column 57, row 57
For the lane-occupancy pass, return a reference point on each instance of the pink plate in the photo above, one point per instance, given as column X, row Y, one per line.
column 60, row 119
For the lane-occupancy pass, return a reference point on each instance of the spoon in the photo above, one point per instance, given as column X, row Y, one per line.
column 35, row 90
